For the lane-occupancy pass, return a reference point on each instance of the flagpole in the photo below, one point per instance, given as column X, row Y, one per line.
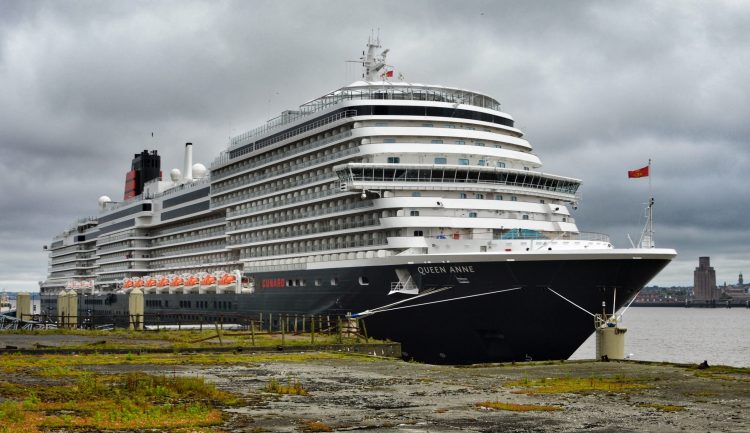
column 650, row 208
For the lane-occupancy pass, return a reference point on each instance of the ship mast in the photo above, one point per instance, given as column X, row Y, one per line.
column 372, row 63
column 647, row 236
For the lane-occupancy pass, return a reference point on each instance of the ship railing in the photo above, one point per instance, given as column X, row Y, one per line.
column 169, row 231
column 284, row 202
column 219, row 247
column 302, row 215
column 291, row 168
column 196, row 183
column 228, row 200
column 225, row 172
column 219, row 234
column 247, row 137
column 182, row 263
column 401, row 92
column 372, row 222
column 328, row 248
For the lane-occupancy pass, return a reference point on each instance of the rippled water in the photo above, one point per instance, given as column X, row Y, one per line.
column 718, row 335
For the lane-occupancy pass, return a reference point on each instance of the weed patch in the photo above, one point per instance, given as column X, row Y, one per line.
column 559, row 385
column 663, row 407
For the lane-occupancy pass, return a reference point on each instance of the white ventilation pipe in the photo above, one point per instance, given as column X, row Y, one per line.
column 188, row 173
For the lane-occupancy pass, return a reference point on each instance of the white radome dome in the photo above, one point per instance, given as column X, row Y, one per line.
column 104, row 200
column 175, row 174
column 199, row 170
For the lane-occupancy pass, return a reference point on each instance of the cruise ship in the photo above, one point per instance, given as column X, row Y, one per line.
column 419, row 208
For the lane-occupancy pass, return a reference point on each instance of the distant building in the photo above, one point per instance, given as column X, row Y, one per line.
column 704, row 281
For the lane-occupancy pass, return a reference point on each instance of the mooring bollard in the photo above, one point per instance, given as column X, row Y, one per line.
column 312, row 329
column 252, row 332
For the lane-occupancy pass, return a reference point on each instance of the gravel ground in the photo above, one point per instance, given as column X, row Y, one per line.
column 396, row 396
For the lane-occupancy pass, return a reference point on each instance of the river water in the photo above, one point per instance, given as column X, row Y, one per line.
column 685, row 335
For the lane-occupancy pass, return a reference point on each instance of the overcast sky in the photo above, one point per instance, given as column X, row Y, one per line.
column 598, row 87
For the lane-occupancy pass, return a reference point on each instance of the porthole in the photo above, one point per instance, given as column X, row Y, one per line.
column 363, row 281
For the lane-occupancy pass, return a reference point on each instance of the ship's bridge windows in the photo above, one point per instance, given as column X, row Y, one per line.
column 363, row 281
column 441, row 160
column 463, row 161
column 394, row 160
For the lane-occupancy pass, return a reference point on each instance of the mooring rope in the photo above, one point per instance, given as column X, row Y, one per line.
column 384, row 309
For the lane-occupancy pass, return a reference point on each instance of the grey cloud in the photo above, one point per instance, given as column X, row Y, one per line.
column 598, row 87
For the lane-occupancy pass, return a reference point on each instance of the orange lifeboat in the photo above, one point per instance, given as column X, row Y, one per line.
column 151, row 282
column 138, row 283
column 177, row 281
column 127, row 283
column 208, row 280
column 163, row 282
column 192, row 281
column 227, row 279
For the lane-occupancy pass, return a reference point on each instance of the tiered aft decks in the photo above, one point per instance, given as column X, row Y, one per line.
column 379, row 168
column 72, row 257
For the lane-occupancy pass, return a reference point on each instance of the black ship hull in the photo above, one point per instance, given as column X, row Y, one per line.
column 466, row 311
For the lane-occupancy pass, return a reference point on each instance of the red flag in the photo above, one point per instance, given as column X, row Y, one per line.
column 641, row 172
column 389, row 74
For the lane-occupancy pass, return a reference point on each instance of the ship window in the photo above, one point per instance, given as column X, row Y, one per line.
column 416, row 194
column 513, row 198
column 441, row 160
column 460, row 142
column 389, row 140
column 451, row 126
column 472, row 214
column 414, row 213
column 481, row 162
column 394, row 160
column 525, row 217
column 427, row 125
column 541, row 201
column 526, row 168
column 500, row 164
column 318, row 282
column 437, row 141
column 463, row 161
column 363, row 281
column 418, row 233
column 462, row 195
column 479, row 196
column 381, row 123
column 334, row 281
column 565, row 219
column 480, row 144
column 498, row 197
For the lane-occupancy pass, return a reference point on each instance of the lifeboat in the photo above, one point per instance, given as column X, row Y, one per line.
column 192, row 280
column 138, row 282
column 163, row 282
column 151, row 282
column 177, row 281
column 127, row 283
column 227, row 279
column 208, row 280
